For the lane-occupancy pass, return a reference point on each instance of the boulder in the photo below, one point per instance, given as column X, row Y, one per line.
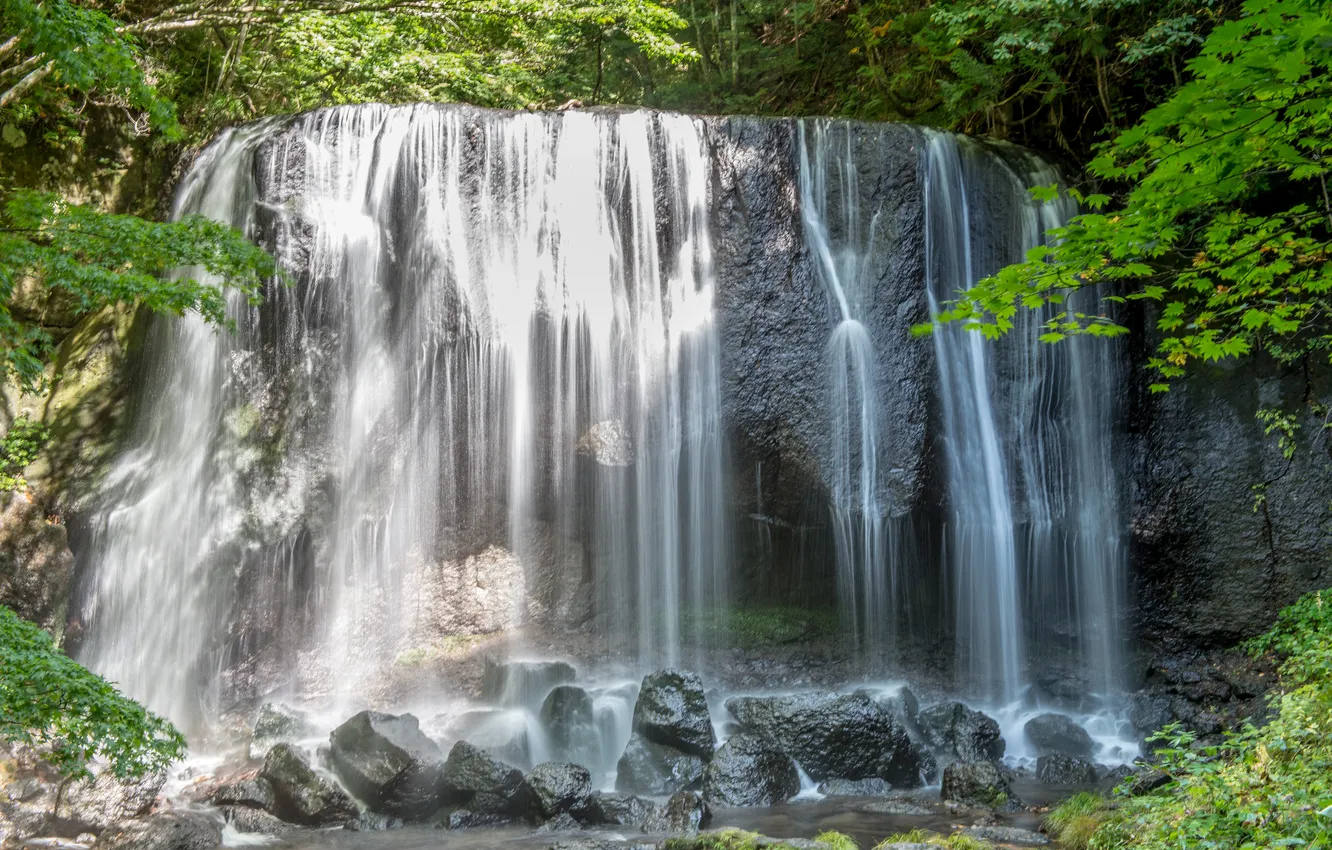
column 563, row 822
column 685, row 811
column 254, row 793
column 655, row 769
column 523, row 684
column 386, row 761
column 482, row 783
column 1059, row 769
column 92, row 806
column 256, row 821
column 975, row 783
column 171, row 830
column 467, row 818
column 568, row 717
column 872, row 787
column 276, row 724
column 300, row 794
column 373, row 822
column 623, row 810
column 673, row 710
column 834, row 737
column 1058, row 733
column 957, row 733
column 749, row 771
column 559, row 788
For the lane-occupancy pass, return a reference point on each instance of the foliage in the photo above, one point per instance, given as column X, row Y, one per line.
column 54, row 43
column 1301, row 633
column 19, row 448
column 836, row 840
column 100, row 259
column 74, row 716
column 956, row 841
column 1073, row 822
column 1226, row 223
column 1260, row 787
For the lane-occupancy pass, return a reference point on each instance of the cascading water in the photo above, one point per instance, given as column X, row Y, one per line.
column 492, row 388
column 840, row 242
column 1034, row 518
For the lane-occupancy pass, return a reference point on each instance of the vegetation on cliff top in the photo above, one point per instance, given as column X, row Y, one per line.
column 73, row 716
column 1216, row 208
column 1262, row 787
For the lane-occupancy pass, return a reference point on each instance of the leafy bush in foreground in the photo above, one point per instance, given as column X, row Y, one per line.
column 49, row 701
column 1264, row 787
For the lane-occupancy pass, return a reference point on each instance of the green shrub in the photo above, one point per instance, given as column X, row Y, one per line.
column 1261, row 787
column 1074, row 821
column 72, row 715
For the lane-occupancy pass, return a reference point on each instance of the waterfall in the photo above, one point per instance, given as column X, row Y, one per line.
column 488, row 406
column 1034, row 516
column 841, row 243
column 490, row 398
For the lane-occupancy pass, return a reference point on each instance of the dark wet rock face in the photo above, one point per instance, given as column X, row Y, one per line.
column 672, row 710
column 656, row 769
column 1059, row 769
column 975, row 783
column 1058, row 733
column 385, row 760
column 301, row 795
column 749, row 771
column 257, row 821
column 684, row 812
column 623, row 810
column 173, row 830
column 558, row 788
column 476, row 779
column 956, row 732
column 255, row 793
column 834, row 737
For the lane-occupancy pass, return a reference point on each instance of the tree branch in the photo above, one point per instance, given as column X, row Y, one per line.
column 22, row 86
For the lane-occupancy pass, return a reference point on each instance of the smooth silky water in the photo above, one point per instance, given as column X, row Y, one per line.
column 499, row 360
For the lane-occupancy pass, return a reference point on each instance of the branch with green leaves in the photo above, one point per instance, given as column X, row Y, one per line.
column 1225, row 220
column 71, row 715
column 101, row 259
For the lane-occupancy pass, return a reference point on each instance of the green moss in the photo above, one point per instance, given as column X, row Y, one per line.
column 759, row 627
column 450, row 646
